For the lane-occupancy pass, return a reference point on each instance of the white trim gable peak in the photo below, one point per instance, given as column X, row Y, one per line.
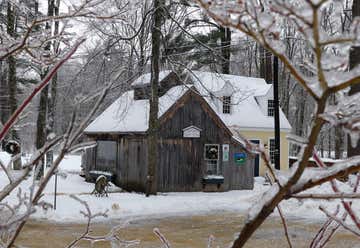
column 191, row 132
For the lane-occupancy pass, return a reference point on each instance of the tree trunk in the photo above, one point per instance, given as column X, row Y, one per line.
column 329, row 143
column 41, row 125
column 354, row 61
column 300, row 114
column 4, row 92
column 250, row 59
column 338, row 143
column 53, row 90
column 151, row 185
column 142, row 40
column 11, row 81
column 225, row 49
column 266, row 65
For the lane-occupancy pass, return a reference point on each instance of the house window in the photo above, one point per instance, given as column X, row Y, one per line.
column 271, row 108
column 226, row 104
column 212, row 159
column 272, row 151
column 105, row 155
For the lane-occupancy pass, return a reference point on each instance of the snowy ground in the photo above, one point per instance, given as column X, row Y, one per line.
column 133, row 205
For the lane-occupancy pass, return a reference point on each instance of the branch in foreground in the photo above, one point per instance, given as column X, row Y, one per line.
column 112, row 236
column 28, row 168
column 315, row 177
column 341, row 195
column 37, row 89
column 162, row 238
column 317, row 240
column 5, row 169
column 341, row 222
column 69, row 138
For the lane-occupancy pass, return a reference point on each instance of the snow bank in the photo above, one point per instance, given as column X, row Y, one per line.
column 132, row 205
column 70, row 163
column 5, row 157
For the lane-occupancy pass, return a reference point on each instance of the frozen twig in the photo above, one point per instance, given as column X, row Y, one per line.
column 28, row 168
column 162, row 238
column 37, row 89
column 341, row 222
column 340, row 195
column 322, row 231
column 68, row 140
column 258, row 19
column 86, row 9
column 283, row 221
column 112, row 236
column 211, row 240
column 346, row 205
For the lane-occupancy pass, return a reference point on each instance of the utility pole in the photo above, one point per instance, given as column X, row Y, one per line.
column 354, row 61
column 276, row 111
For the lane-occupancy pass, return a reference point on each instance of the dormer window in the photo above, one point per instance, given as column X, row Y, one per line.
column 270, row 108
column 226, row 104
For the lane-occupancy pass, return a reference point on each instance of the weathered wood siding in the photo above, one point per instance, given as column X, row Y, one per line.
column 181, row 163
column 180, row 167
column 132, row 166
column 238, row 176
column 89, row 157
column 88, row 161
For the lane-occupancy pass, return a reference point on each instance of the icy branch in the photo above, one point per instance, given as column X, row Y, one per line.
column 37, row 89
column 111, row 237
column 341, row 222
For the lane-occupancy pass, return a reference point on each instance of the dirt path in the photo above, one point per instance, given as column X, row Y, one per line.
column 184, row 232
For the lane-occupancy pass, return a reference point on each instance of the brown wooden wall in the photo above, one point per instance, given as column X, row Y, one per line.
column 181, row 160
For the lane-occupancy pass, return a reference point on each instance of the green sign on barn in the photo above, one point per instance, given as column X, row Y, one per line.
column 240, row 158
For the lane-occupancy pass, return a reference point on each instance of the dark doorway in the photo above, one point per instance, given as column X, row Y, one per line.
column 257, row 160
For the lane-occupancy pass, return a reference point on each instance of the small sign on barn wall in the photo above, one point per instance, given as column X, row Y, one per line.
column 191, row 132
column 225, row 152
column 240, row 158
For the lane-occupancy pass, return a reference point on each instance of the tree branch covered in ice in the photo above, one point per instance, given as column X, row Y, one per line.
column 112, row 237
column 31, row 42
column 322, row 73
column 33, row 39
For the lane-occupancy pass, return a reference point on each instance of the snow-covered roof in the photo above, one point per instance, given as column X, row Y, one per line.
column 145, row 78
column 245, row 92
column 129, row 115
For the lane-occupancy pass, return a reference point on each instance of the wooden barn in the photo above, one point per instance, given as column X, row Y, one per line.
column 197, row 149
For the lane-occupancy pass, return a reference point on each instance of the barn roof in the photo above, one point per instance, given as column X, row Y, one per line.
column 129, row 115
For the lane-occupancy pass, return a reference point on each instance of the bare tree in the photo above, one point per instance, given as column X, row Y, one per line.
column 151, row 184
column 33, row 42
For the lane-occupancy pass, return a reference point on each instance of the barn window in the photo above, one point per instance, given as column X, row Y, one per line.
column 105, row 155
column 271, row 108
column 272, row 150
column 212, row 159
column 226, row 104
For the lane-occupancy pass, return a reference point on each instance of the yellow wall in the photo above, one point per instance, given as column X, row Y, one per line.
column 264, row 137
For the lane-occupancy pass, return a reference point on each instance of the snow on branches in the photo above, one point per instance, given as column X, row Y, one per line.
column 31, row 42
column 328, row 46
column 324, row 71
